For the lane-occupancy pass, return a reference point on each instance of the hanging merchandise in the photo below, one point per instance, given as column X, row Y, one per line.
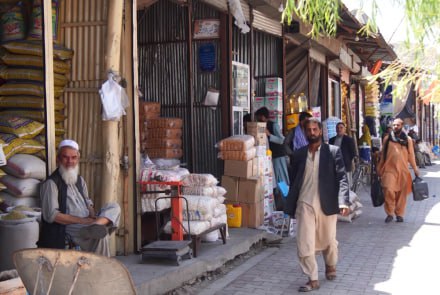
column 12, row 24
column 36, row 30
column 302, row 102
column 372, row 99
column 114, row 99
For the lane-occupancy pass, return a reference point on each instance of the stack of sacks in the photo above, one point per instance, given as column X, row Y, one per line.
column 18, row 135
column 148, row 200
column 21, row 56
column 22, row 179
column 147, row 110
column 355, row 208
column 23, row 92
column 163, row 138
column 2, row 186
column 205, row 205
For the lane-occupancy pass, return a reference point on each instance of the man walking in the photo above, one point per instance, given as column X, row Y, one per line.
column 397, row 152
column 296, row 137
column 348, row 148
column 67, row 211
column 318, row 192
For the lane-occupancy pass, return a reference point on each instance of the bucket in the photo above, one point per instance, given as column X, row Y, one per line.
column 292, row 120
column 365, row 153
column 16, row 235
column 233, row 212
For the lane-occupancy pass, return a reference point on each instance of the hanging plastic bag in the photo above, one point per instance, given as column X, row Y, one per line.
column 114, row 99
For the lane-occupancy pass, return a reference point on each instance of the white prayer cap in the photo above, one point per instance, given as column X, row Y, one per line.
column 69, row 143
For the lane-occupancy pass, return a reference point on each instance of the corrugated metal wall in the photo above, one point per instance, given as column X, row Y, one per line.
column 83, row 29
column 268, row 55
column 163, row 71
column 207, row 122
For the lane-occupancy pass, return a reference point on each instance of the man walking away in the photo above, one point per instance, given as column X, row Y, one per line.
column 318, row 192
column 397, row 152
column 348, row 149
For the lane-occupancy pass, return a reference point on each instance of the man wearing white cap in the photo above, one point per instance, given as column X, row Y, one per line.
column 68, row 213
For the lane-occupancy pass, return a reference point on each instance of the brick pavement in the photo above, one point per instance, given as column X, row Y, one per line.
column 375, row 258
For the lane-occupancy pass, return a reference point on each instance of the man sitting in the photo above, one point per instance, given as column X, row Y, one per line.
column 67, row 211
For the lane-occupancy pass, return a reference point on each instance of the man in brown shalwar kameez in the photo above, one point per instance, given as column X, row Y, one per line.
column 318, row 192
column 397, row 152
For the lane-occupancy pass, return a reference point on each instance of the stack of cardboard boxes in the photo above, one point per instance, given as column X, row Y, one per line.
column 273, row 99
column 244, row 181
column 160, row 137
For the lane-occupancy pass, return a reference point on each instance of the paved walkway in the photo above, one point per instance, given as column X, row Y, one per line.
column 375, row 258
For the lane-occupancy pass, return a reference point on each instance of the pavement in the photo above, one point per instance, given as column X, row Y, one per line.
column 374, row 257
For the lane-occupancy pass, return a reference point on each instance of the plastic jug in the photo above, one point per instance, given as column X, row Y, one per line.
column 233, row 212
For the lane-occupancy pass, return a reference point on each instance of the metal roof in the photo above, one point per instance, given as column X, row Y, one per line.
column 369, row 49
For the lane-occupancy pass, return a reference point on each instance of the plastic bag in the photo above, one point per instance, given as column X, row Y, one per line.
column 114, row 99
column 377, row 196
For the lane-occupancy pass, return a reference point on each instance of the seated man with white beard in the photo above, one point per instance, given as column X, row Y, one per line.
column 67, row 211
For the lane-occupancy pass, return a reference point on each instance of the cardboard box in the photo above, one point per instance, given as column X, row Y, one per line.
column 256, row 128
column 250, row 190
column 239, row 168
column 261, row 139
column 252, row 214
column 274, row 103
column 273, row 86
column 258, row 103
column 230, row 183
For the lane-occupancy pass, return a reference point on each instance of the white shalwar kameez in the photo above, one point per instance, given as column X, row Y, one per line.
column 315, row 230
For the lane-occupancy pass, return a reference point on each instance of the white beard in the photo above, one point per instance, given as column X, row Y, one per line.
column 69, row 175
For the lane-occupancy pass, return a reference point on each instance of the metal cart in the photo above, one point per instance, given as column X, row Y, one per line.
column 177, row 248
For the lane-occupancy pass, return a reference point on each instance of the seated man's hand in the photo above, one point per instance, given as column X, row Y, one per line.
column 88, row 220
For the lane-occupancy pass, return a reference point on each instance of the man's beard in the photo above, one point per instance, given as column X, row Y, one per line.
column 397, row 131
column 69, row 175
column 313, row 139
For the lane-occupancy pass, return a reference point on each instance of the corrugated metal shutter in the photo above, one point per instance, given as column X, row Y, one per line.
column 263, row 23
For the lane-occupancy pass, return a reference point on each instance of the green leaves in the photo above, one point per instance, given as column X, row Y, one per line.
column 322, row 15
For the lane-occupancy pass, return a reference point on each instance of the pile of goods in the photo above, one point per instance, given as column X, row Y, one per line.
column 355, row 208
column 161, row 137
column 372, row 99
column 205, row 205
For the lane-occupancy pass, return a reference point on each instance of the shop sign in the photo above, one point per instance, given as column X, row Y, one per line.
column 206, row 29
column 207, row 57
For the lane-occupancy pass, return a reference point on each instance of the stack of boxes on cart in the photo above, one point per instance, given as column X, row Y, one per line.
column 246, row 168
column 161, row 143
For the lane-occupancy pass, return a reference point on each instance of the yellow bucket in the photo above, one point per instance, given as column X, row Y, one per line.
column 233, row 212
column 292, row 120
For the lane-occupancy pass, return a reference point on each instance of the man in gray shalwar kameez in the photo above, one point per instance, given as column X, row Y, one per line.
column 67, row 210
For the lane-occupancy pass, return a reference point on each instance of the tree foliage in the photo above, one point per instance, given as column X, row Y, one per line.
column 415, row 64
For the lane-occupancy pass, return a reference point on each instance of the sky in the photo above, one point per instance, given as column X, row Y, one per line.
column 389, row 18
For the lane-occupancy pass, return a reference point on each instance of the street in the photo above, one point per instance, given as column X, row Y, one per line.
column 374, row 257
